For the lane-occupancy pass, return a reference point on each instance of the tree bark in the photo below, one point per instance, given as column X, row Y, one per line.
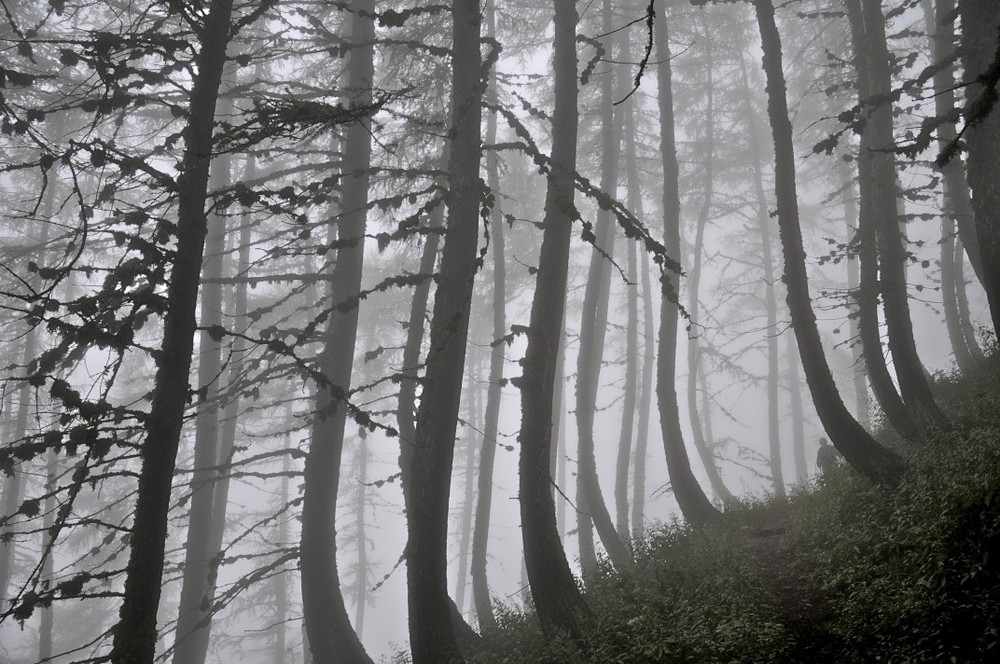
column 593, row 328
column 858, row 373
column 561, row 608
column 332, row 639
column 702, row 443
column 858, row 447
column 194, row 614
column 980, row 21
column 863, row 452
column 691, row 499
column 135, row 635
column 875, row 87
column 488, row 449
column 432, row 636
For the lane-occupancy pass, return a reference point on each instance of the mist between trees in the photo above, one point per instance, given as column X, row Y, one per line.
column 329, row 327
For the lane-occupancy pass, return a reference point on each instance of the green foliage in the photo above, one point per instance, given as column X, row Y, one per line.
column 844, row 572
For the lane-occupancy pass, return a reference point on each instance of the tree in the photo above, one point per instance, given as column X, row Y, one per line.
column 980, row 45
column 557, row 599
column 878, row 201
column 692, row 500
column 487, row 454
column 135, row 635
column 332, row 639
column 858, row 447
column 432, row 636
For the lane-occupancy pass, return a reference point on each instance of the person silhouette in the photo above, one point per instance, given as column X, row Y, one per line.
column 827, row 456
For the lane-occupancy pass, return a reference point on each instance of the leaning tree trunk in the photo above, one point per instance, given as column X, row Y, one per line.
column 691, row 499
column 702, row 443
column 648, row 352
column 332, row 639
column 194, row 614
column 859, row 376
column 561, row 608
column 135, row 635
column 980, row 23
column 867, row 294
column 876, row 90
column 593, row 328
column 861, row 450
column 488, row 450
column 432, row 635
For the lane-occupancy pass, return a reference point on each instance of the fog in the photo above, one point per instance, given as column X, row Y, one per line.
column 323, row 186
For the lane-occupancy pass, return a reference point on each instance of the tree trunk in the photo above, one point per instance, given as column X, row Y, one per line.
column 194, row 615
column 432, row 636
column 281, row 654
column 469, row 485
column 691, row 499
column 135, row 635
column 850, row 438
column 332, row 639
column 798, row 417
column 858, row 373
column 488, row 450
column 867, row 294
column 701, row 443
column 980, row 21
column 648, row 350
column 875, row 86
column 557, row 599
column 593, row 328
column 361, row 536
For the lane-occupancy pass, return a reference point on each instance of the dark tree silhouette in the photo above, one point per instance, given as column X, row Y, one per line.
column 557, row 599
column 861, row 450
column 692, row 500
column 432, row 635
column 135, row 634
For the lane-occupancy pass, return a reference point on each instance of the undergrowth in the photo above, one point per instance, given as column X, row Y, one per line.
column 841, row 571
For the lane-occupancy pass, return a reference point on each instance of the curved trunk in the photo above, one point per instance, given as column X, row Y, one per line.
column 872, row 55
column 194, row 615
column 135, row 635
column 702, row 443
column 858, row 372
column 850, row 438
column 561, row 608
column 332, row 639
column 691, row 499
column 592, row 334
column 432, row 633
column 487, row 453
column 980, row 23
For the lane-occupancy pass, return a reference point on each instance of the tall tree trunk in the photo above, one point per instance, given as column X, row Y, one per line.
column 194, row 616
column 648, row 350
column 10, row 502
column 798, row 416
column 691, row 499
column 631, row 392
column 135, row 635
column 702, row 444
column 488, row 450
column 957, row 212
column 593, row 328
column 469, row 485
column 432, row 636
column 867, row 294
column 850, row 438
column 361, row 535
column 770, row 297
column 858, row 373
column 875, row 85
column 332, row 639
column 557, row 599
column 281, row 654
column 980, row 21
